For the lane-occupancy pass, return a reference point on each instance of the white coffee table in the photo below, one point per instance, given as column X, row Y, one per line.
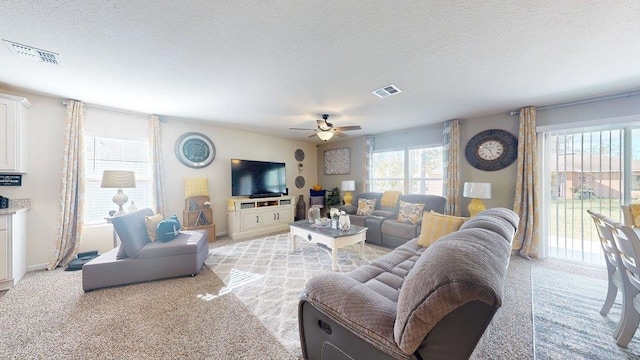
column 334, row 239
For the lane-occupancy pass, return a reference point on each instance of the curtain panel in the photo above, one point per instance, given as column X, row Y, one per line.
column 70, row 218
column 526, row 204
column 367, row 158
column 155, row 142
column 451, row 161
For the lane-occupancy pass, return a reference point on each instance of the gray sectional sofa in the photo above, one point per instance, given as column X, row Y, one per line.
column 382, row 225
column 414, row 302
column 138, row 259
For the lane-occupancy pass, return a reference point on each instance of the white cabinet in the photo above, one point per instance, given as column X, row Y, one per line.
column 13, row 134
column 255, row 217
column 13, row 248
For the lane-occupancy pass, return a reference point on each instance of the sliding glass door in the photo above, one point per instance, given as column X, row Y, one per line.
column 596, row 168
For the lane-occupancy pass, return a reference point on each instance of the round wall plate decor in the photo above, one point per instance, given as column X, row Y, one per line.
column 299, row 182
column 299, row 154
column 195, row 150
column 492, row 150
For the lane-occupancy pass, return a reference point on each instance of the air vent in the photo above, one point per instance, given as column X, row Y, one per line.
column 386, row 91
column 32, row 53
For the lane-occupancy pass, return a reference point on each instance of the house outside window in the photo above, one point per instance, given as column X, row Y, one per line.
column 410, row 170
column 115, row 154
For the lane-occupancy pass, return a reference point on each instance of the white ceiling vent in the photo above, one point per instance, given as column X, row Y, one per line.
column 386, row 91
column 32, row 53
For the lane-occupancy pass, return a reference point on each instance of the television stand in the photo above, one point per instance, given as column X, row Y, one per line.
column 249, row 217
column 262, row 196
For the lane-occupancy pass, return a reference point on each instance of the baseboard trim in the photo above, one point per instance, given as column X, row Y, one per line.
column 36, row 267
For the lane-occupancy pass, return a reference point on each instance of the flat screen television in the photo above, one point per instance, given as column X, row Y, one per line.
column 257, row 178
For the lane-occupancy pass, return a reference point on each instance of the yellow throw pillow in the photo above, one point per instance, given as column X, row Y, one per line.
column 151, row 222
column 436, row 225
column 635, row 214
column 196, row 187
column 366, row 206
column 390, row 198
column 409, row 212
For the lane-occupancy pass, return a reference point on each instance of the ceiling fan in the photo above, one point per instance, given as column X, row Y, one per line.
column 326, row 130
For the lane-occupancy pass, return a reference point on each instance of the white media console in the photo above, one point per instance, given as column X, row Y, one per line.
column 254, row 217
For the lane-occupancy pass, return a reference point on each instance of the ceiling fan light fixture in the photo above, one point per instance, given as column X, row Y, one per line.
column 325, row 135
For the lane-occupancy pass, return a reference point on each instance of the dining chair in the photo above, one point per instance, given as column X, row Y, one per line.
column 628, row 244
column 611, row 257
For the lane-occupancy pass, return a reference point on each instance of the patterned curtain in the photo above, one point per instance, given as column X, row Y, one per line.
column 527, row 240
column 70, row 219
column 451, row 150
column 155, row 142
column 367, row 158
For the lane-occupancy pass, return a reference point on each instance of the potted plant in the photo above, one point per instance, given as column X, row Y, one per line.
column 333, row 198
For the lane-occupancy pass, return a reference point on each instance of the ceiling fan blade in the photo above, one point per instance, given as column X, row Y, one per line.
column 347, row 128
column 339, row 134
column 302, row 129
column 310, row 136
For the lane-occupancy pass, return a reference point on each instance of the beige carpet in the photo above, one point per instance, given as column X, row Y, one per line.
column 47, row 316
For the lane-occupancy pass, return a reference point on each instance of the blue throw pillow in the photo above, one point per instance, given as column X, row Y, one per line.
column 168, row 229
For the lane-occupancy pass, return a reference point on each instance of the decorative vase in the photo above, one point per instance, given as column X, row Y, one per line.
column 314, row 213
column 344, row 222
column 301, row 208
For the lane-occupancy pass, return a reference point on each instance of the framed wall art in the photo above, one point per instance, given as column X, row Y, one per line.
column 337, row 161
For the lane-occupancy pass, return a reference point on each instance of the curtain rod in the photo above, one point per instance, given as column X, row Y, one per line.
column 110, row 109
column 585, row 101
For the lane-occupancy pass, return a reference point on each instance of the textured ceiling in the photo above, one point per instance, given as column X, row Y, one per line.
column 269, row 65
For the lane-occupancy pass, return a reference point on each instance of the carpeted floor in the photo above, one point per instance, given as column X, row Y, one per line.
column 568, row 325
column 47, row 316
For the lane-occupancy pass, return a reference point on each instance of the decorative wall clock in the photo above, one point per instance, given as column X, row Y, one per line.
column 492, row 150
column 195, row 150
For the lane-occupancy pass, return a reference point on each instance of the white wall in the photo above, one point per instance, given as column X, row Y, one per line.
column 46, row 122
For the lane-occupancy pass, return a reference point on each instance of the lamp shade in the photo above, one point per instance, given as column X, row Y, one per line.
column 477, row 190
column 325, row 135
column 348, row 185
column 117, row 179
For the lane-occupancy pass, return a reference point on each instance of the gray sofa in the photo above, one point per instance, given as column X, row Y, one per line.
column 382, row 226
column 415, row 302
column 138, row 259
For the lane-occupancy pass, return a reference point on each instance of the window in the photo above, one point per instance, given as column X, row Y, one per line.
column 594, row 168
column 410, row 170
column 115, row 154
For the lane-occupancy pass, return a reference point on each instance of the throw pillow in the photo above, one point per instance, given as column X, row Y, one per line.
column 390, row 198
column 151, row 222
column 196, row 187
column 168, row 229
column 132, row 231
column 635, row 214
column 436, row 225
column 366, row 207
column 409, row 212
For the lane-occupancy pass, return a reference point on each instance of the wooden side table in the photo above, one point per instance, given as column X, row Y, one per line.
column 211, row 229
column 197, row 216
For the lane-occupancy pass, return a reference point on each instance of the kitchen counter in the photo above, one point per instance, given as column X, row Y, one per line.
column 16, row 206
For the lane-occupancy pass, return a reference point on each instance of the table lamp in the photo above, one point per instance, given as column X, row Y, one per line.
column 116, row 179
column 476, row 191
column 347, row 186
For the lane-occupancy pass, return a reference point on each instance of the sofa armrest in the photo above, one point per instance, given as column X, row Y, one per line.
column 356, row 307
column 349, row 209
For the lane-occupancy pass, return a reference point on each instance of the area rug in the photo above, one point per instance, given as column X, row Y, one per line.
column 268, row 278
column 567, row 299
